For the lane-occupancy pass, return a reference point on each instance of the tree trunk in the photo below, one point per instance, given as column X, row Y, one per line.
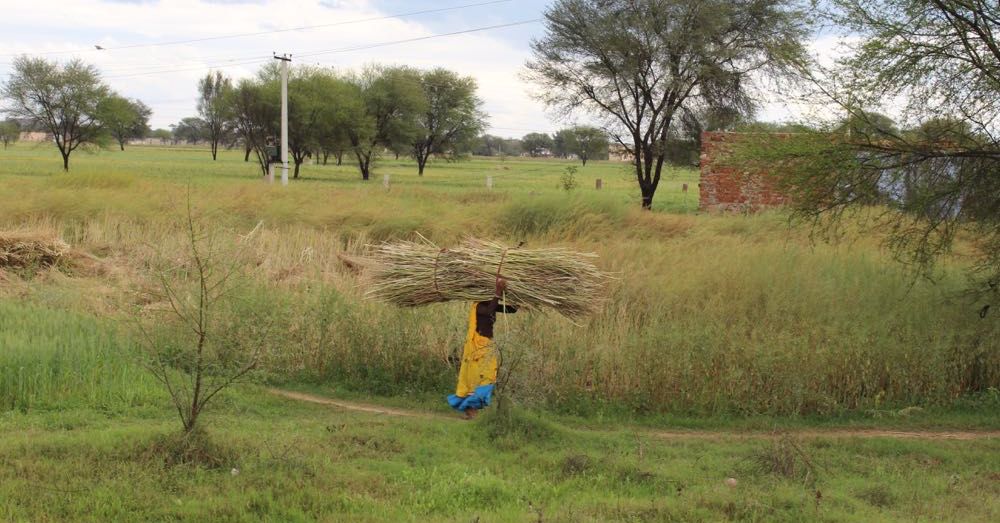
column 215, row 149
column 340, row 158
column 246, row 156
column 647, row 197
column 421, row 162
column 121, row 143
column 584, row 160
column 326, row 155
column 364, row 163
column 65, row 157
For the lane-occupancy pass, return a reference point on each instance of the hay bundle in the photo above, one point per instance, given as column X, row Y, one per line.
column 24, row 250
column 410, row 274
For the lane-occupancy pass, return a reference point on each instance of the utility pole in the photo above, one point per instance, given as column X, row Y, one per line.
column 285, row 58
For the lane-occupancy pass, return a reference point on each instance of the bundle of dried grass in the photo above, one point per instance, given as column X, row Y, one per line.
column 410, row 274
column 28, row 250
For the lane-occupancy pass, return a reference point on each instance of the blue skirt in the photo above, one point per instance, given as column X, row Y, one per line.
column 477, row 400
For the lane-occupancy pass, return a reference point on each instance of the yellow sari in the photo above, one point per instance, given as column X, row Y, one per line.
column 478, row 373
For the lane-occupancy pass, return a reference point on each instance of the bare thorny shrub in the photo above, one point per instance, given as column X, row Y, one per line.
column 204, row 330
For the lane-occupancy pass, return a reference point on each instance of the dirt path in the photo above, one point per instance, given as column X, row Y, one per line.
column 956, row 435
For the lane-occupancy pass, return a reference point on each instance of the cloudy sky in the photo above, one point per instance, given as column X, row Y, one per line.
column 157, row 50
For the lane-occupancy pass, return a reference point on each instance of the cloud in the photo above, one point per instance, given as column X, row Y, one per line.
column 165, row 76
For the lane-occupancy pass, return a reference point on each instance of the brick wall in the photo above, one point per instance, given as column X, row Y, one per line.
column 724, row 188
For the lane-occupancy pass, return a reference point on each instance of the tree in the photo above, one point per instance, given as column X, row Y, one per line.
column 452, row 118
column 190, row 130
column 321, row 110
column 10, row 131
column 212, row 91
column 393, row 97
column 487, row 145
column 63, row 100
column 639, row 63
column 124, row 119
column 205, row 338
column 587, row 142
column 254, row 112
column 163, row 135
column 536, row 144
column 935, row 175
column 560, row 142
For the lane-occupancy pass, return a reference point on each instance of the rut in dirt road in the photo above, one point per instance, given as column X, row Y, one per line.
column 956, row 435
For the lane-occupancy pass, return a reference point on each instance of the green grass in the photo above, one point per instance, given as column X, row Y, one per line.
column 53, row 359
column 304, row 463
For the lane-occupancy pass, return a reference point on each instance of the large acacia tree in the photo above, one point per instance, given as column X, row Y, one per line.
column 64, row 100
column 639, row 63
column 452, row 119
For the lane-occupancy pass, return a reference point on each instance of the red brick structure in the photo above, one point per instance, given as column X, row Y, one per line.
column 724, row 188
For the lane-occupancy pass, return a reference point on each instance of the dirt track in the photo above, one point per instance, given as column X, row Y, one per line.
column 957, row 435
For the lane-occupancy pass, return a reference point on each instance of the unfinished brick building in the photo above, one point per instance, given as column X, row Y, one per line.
column 727, row 189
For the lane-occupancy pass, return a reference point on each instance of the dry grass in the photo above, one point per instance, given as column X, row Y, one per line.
column 30, row 250
column 411, row 274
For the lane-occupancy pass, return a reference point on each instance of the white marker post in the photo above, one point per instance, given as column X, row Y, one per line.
column 489, row 182
column 385, row 181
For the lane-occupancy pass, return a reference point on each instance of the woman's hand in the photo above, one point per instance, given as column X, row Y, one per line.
column 501, row 286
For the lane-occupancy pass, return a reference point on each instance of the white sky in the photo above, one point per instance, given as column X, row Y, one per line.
column 165, row 76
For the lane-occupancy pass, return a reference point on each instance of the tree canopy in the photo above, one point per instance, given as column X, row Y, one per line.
column 935, row 64
column 65, row 100
column 452, row 118
column 638, row 64
column 212, row 92
column 10, row 131
column 124, row 119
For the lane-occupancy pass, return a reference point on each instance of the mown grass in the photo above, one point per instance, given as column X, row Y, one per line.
column 296, row 462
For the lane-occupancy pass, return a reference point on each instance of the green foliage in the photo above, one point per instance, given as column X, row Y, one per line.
column 452, row 119
column 535, row 144
column 10, row 131
column 587, row 143
column 213, row 91
column 64, row 100
column 567, row 181
column 123, row 118
column 642, row 65
column 53, row 359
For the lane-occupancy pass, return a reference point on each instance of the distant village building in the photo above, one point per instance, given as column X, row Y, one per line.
column 726, row 188
column 618, row 153
column 35, row 136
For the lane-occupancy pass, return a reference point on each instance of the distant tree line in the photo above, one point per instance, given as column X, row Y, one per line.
column 580, row 142
column 381, row 110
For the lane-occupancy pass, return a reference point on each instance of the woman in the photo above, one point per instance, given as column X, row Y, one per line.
column 478, row 373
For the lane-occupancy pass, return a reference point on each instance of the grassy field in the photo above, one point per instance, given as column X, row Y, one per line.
column 727, row 323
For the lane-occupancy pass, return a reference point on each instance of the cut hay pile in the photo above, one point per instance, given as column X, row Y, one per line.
column 27, row 250
column 410, row 274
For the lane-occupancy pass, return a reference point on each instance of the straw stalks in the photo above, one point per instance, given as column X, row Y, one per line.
column 411, row 274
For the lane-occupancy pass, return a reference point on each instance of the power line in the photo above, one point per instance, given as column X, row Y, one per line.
column 274, row 31
column 419, row 38
column 331, row 51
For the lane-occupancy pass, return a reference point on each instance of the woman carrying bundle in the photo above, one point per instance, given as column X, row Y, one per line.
column 478, row 374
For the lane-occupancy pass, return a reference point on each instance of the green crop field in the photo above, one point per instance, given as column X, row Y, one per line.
column 728, row 347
